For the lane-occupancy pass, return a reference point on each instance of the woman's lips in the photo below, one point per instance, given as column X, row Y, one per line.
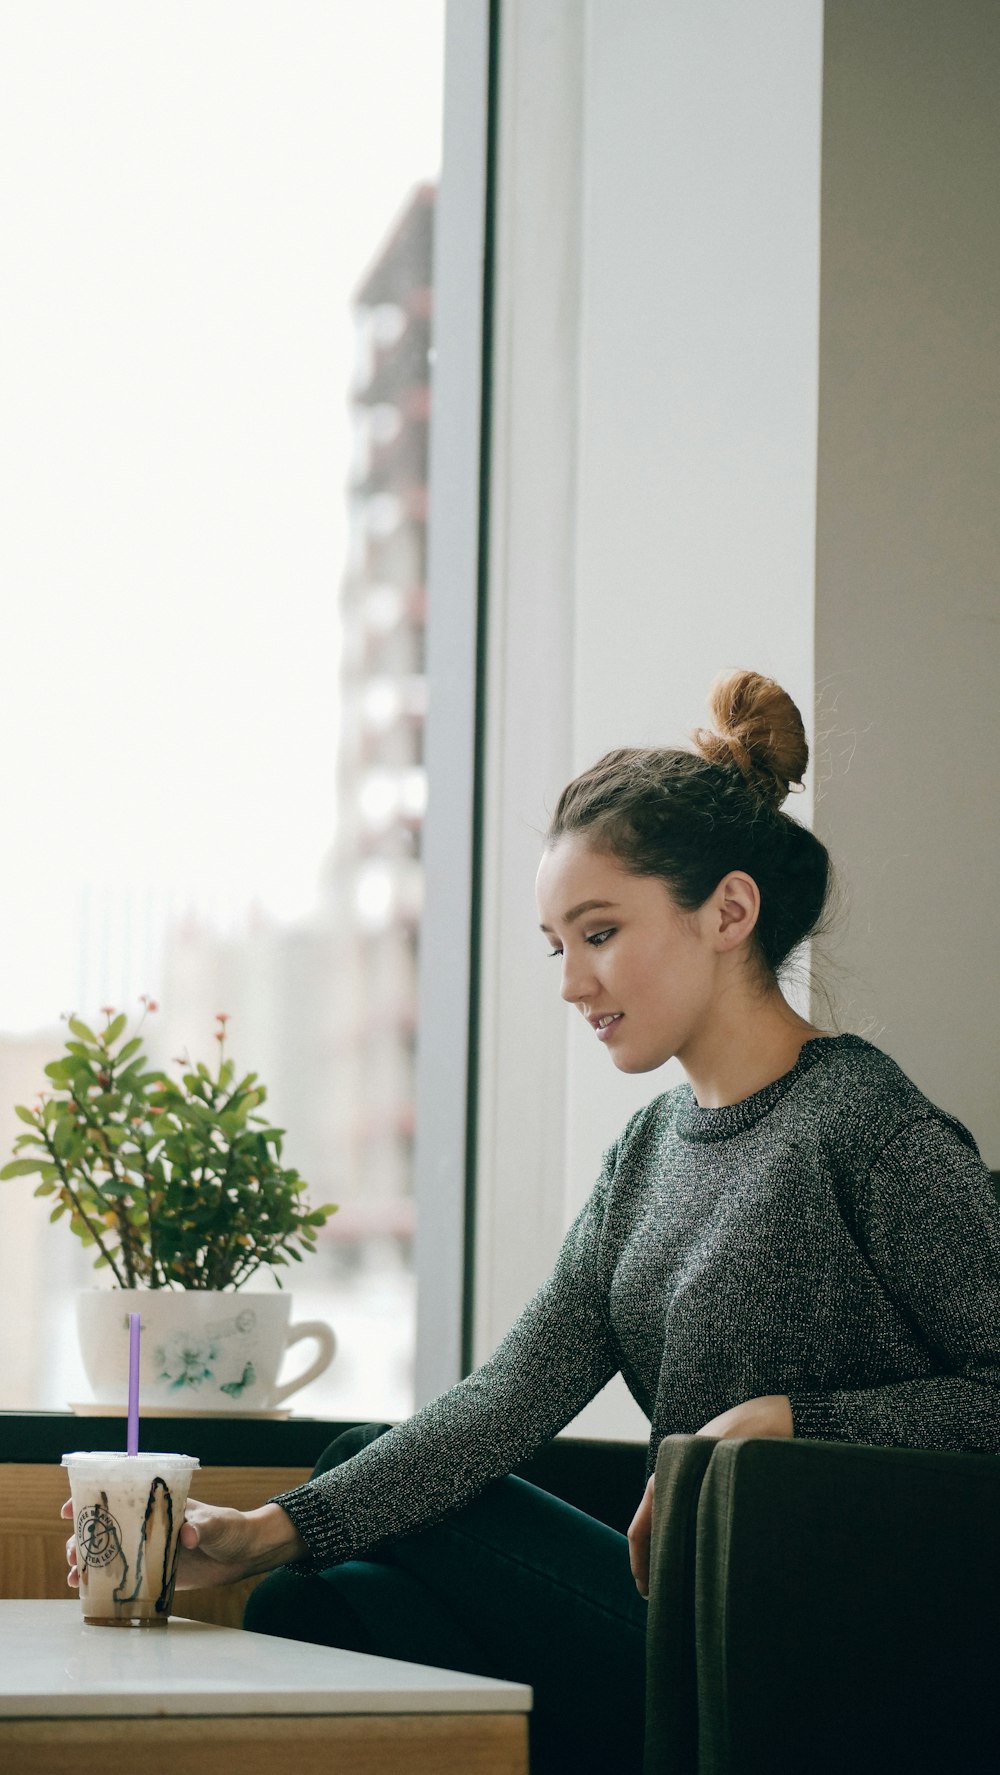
column 608, row 1029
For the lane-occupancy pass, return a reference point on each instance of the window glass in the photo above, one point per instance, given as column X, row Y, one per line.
column 215, row 331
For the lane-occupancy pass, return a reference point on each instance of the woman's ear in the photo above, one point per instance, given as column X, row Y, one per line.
column 736, row 909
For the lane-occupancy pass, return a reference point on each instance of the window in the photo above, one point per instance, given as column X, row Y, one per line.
column 216, row 325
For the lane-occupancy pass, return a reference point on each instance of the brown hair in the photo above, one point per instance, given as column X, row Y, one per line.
column 691, row 817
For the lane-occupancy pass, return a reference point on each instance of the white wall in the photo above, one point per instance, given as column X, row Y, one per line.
column 652, row 500
column 908, row 567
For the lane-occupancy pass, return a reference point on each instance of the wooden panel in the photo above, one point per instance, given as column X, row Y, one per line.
column 413, row 1744
column 419, row 1744
column 33, row 1536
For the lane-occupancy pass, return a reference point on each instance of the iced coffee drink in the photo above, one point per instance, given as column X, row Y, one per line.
column 128, row 1511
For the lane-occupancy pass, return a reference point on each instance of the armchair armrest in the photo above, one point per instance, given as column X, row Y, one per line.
column 847, row 1601
column 671, row 1672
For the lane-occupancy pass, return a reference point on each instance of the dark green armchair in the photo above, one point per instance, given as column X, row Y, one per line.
column 822, row 1606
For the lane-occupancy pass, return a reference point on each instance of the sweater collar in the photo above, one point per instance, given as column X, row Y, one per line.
column 695, row 1123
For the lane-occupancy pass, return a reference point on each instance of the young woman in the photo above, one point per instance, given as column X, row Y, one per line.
column 794, row 1242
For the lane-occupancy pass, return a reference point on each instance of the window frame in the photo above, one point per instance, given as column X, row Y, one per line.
column 447, row 1041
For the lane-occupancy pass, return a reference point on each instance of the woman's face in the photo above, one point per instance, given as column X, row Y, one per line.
column 642, row 972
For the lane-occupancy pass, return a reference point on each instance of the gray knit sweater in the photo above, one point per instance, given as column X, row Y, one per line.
column 834, row 1237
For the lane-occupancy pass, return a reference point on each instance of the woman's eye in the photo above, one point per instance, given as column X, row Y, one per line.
column 596, row 938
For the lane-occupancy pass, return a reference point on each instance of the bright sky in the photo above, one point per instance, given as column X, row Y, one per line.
column 189, row 192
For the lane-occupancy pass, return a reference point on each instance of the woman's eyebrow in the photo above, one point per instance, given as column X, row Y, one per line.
column 584, row 906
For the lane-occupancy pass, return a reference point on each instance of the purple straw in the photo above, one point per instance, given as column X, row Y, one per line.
column 133, row 1384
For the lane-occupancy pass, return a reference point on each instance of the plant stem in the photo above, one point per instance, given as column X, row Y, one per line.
column 125, row 1233
column 82, row 1212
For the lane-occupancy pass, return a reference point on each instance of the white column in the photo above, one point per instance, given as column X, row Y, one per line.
column 522, row 1025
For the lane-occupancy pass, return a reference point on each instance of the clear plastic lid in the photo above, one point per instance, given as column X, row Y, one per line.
column 104, row 1457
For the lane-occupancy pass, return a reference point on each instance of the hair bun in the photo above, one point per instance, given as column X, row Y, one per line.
column 759, row 730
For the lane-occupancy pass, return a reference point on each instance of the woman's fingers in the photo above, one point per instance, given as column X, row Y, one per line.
column 73, row 1575
column 639, row 1534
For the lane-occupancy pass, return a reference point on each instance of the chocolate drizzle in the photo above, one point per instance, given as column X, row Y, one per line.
column 169, row 1565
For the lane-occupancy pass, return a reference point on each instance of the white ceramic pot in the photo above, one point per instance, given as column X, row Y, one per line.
column 200, row 1350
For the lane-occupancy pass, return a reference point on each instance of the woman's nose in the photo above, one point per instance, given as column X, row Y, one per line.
column 576, row 979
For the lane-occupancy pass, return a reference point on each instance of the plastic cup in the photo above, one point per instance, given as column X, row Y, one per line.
column 128, row 1511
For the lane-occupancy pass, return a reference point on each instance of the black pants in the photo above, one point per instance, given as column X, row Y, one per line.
column 517, row 1585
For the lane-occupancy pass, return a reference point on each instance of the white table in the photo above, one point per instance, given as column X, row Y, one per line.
column 192, row 1698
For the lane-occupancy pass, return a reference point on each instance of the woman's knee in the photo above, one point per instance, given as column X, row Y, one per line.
column 347, row 1444
column 294, row 1605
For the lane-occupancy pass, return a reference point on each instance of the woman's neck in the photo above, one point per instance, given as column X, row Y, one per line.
column 749, row 1043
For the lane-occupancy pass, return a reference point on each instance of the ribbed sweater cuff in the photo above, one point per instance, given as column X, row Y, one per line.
column 311, row 1515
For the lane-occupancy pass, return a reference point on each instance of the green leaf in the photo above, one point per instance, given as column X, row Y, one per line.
column 61, row 1071
column 62, row 1135
column 21, row 1167
column 114, row 1029
column 29, row 1140
column 114, row 1188
column 26, row 1115
column 81, row 1031
column 129, row 1048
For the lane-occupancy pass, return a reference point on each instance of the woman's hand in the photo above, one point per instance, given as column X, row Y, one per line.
column 220, row 1546
column 771, row 1415
column 639, row 1533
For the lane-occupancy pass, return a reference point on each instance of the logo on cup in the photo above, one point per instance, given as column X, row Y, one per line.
column 98, row 1536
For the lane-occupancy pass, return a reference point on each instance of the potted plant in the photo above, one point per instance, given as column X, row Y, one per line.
column 178, row 1187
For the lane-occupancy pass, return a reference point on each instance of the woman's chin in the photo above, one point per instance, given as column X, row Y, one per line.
column 627, row 1057
column 626, row 1062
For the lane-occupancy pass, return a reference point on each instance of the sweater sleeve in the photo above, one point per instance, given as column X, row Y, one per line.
column 930, row 1226
column 557, row 1356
